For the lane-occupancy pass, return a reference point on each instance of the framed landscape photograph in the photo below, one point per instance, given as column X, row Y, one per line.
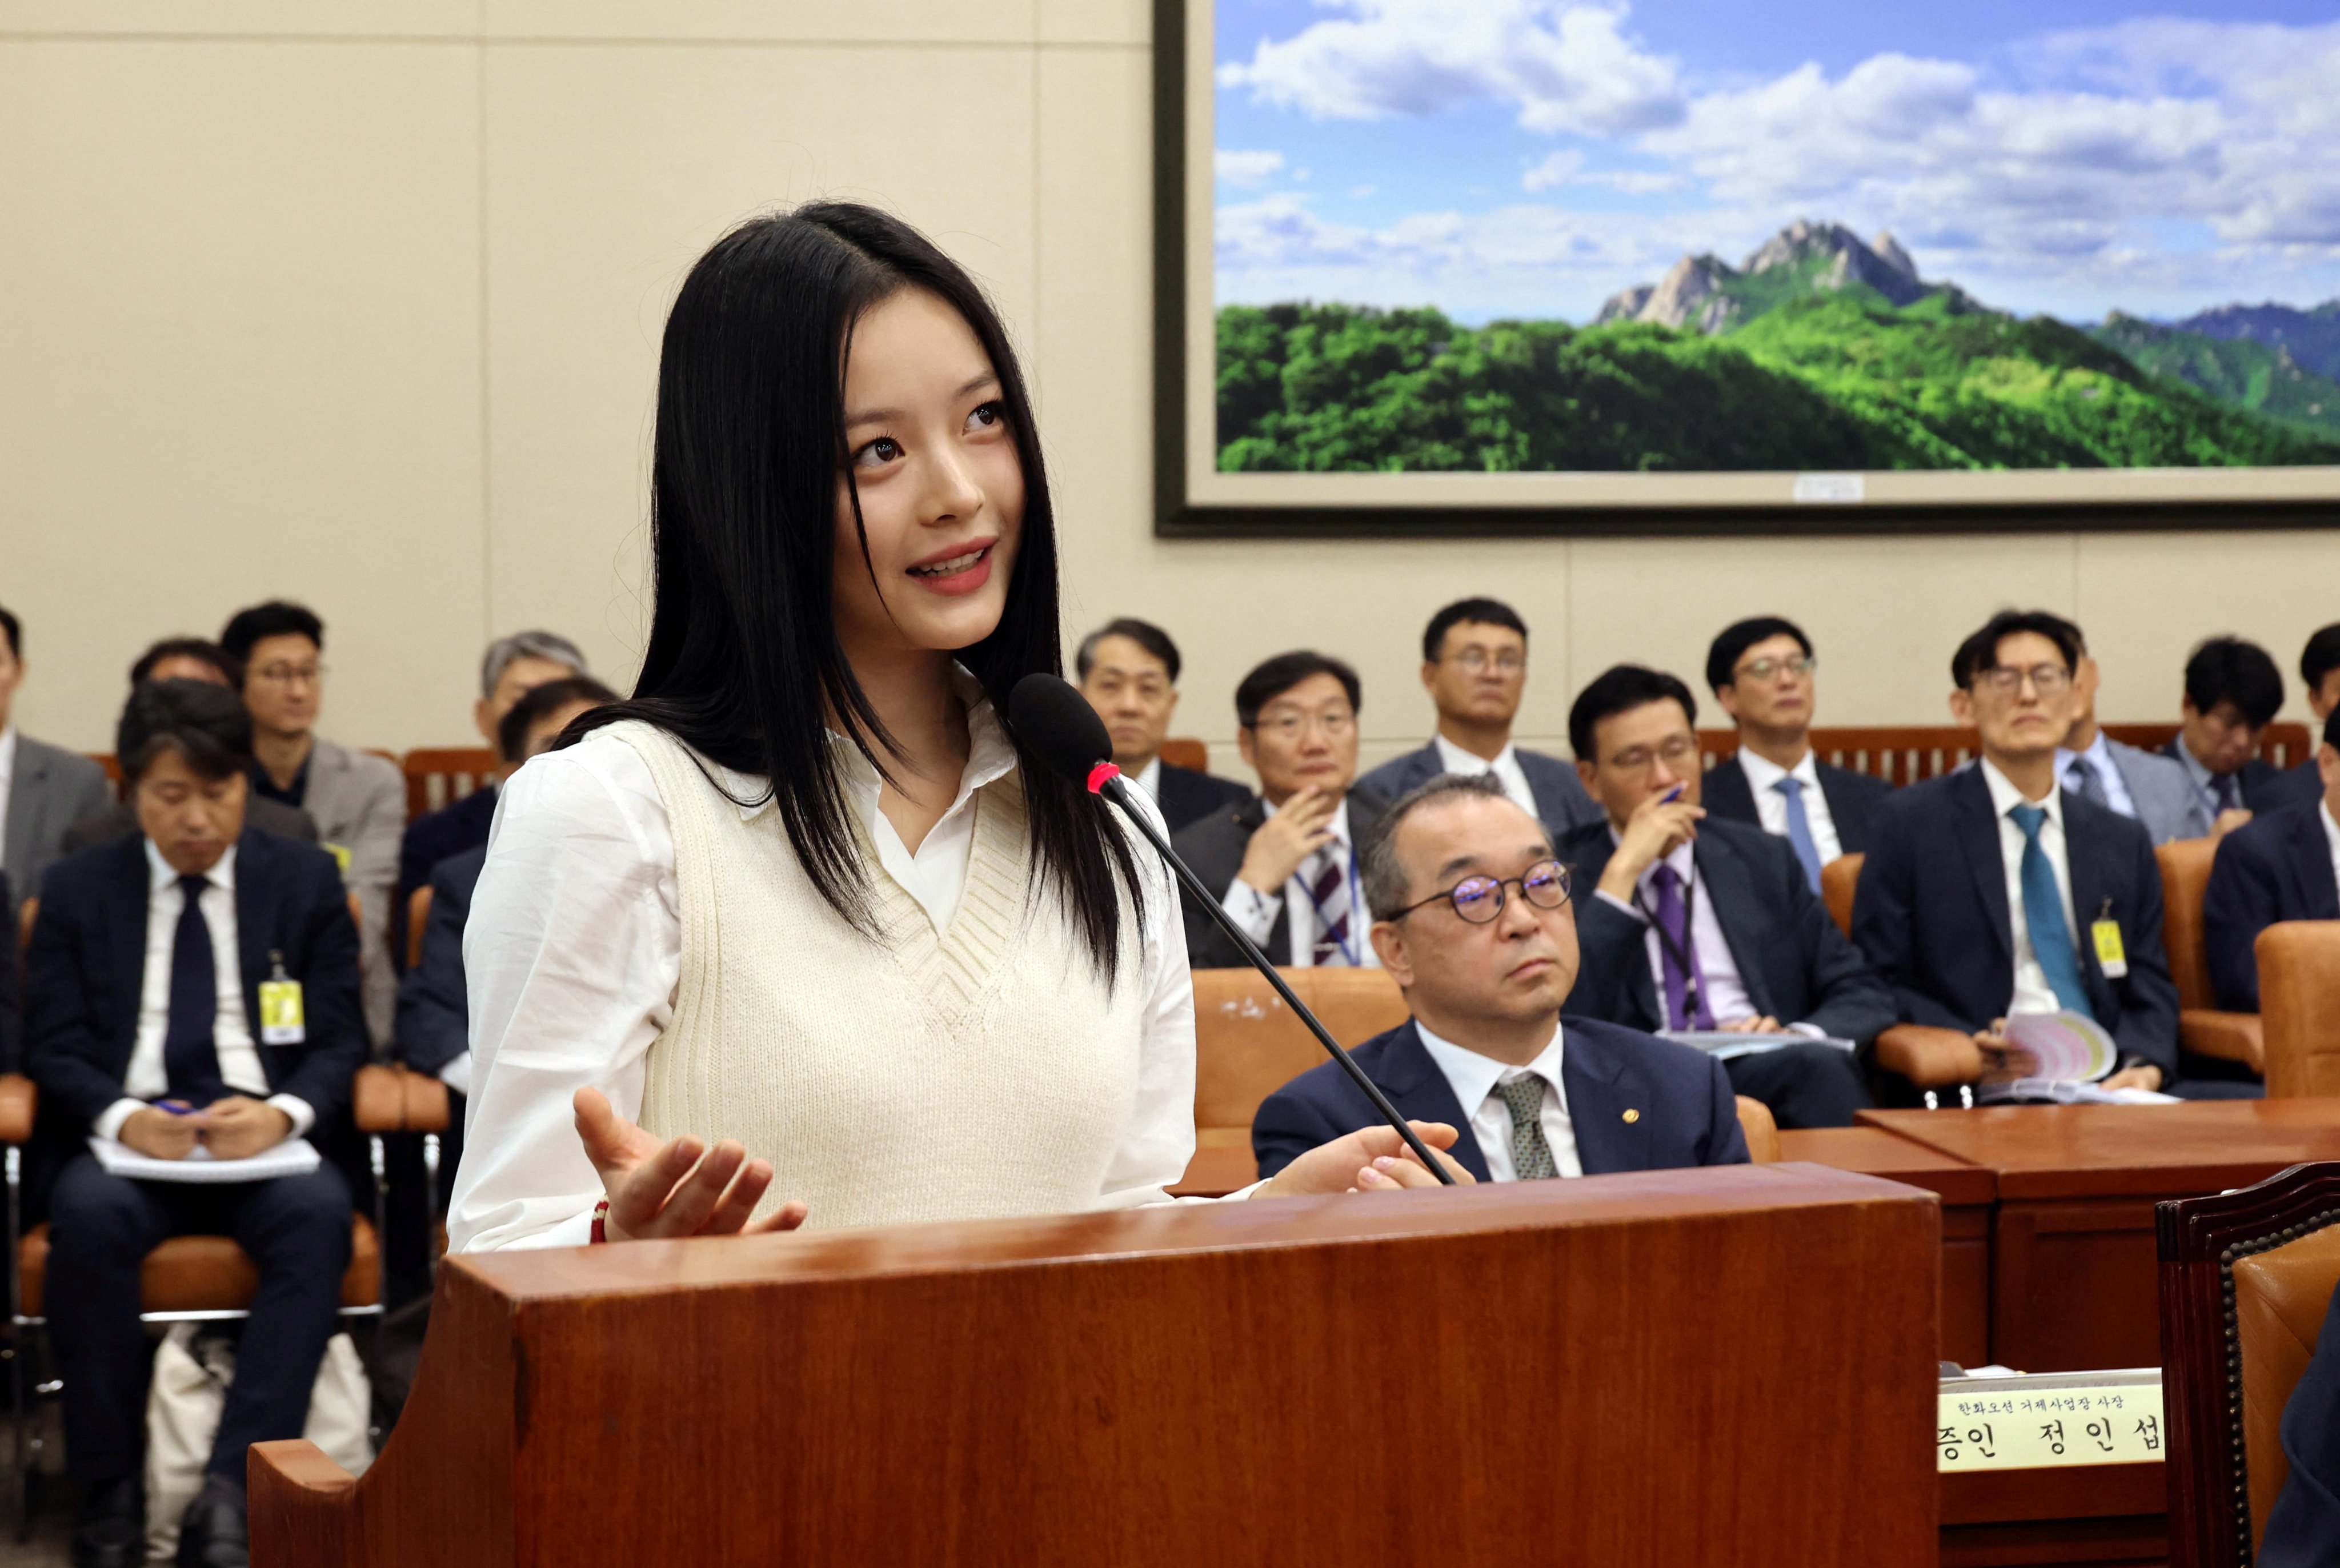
column 1746, row 265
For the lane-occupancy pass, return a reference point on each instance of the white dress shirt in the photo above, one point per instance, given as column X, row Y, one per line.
column 1453, row 759
column 2032, row 992
column 574, row 950
column 1149, row 778
column 1473, row 1079
column 1763, row 776
column 7, row 783
column 2331, row 835
column 147, row 1080
column 2099, row 756
column 1255, row 911
column 1725, row 991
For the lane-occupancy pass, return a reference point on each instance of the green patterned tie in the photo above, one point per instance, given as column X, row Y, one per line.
column 1531, row 1156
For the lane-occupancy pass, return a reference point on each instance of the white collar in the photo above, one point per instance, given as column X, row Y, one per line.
column 1762, row 773
column 1149, row 778
column 8, row 750
column 2005, row 797
column 1473, row 1076
column 990, row 757
column 160, row 876
column 1457, row 760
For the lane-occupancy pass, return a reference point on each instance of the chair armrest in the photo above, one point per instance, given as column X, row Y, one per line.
column 1929, row 1058
column 393, row 1099
column 2229, row 1037
column 18, row 1101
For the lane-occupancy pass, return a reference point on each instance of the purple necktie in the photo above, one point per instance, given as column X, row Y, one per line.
column 1681, row 988
column 1330, row 892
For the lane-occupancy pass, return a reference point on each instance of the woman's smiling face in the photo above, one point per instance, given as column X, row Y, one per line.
column 931, row 452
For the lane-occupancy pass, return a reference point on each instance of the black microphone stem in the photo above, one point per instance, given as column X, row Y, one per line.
column 1117, row 792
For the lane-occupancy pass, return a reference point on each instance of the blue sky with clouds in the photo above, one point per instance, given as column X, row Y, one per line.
column 1530, row 157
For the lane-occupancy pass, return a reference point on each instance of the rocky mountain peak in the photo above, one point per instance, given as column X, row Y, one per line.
column 1889, row 251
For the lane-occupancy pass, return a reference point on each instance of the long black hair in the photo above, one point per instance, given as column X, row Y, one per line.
column 744, row 663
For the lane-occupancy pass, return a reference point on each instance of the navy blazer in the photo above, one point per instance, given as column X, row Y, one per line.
column 1688, row 1115
column 2276, row 866
column 434, row 1005
column 1560, row 801
column 1853, row 800
column 1188, row 797
column 429, row 838
column 86, row 967
column 11, row 1011
column 2301, row 783
column 1797, row 967
column 1931, row 913
column 1214, row 850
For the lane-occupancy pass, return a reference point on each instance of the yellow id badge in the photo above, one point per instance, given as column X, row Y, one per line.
column 2110, row 957
column 281, row 1022
column 341, row 854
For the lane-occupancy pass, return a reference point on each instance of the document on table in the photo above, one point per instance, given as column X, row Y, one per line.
column 1724, row 1044
column 294, row 1156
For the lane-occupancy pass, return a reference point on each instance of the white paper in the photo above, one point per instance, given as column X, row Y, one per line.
column 1724, row 1044
column 2068, row 1045
column 294, row 1156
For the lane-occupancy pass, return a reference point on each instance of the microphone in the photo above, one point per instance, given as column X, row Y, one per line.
column 1060, row 729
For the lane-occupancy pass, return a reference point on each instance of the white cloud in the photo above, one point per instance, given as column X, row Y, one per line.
column 1557, row 169
column 1245, row 168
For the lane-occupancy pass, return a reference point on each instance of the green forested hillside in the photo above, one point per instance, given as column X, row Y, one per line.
column 2234, row 370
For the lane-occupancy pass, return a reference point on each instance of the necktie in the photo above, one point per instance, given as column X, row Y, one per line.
column 1531, row 1156
column 1330, row 888
column 2043, row 912
column 2082, row 775
column 1686, row 1005
column 2225, row 785
column 1800, row 830
column 190, row 1063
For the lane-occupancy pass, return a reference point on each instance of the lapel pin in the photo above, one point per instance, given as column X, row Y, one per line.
column 1633, row 1117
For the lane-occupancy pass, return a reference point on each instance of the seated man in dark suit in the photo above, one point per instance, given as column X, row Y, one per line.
column 2303, row 1528
column 2319, row 672
column 1471, row 915
column 1692, row 924
column 2233, row 691
column 1285, row 865
column 1762, row 672
column 146, row 1027
column 1988, row 892
column 2278, row 866
column 1128, row 669
column 1474, row 665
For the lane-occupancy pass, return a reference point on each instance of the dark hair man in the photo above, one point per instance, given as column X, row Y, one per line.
column 44, row 789
column 2319, row 674
column 2281, row 865
column 1284, row 865
column 1764, row 674
column 357, row 801
column 1690, row 923
column 2143, row 786
column 188, row 659
column 1474, row 665
column 175, row 1051
column 1988, row 892
column 1128, row 669
column 2233, row 691
column 1471, row 917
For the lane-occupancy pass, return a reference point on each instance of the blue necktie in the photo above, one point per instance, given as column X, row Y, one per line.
column 190, row 1058
column 2043, row 912
column 1800, row 830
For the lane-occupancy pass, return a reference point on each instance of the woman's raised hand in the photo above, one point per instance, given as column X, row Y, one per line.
column 679, row 1188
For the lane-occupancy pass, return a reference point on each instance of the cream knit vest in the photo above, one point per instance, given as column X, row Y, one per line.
column 980, row 1071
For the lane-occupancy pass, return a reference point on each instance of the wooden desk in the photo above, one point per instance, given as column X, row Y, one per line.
column 2073, row 1277
column 1966, row 1191
column 2111, row 1515
column 1221, row 1165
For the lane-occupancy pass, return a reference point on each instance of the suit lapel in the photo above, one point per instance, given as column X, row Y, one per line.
column 1725, row 878
column 128, row 899
column 2087, row 852
column 257, row 898
column 1978, row 836
column 1413, row 1084
column 16, row 833
column 1845, row 808
column 1597, row 1103
column 2310, row 862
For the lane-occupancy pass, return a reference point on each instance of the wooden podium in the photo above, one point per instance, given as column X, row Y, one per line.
column 1731, row 1367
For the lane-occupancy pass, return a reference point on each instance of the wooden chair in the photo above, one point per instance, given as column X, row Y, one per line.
column 1839, row 880
column 441, row 776
column 113, row 766
column 1185, row 751
column 2247, row 1277
column 1248, row 1045
column 2201, row 1027
column 1933, row 1059
column 2299, row 1006
column 1763, row 1132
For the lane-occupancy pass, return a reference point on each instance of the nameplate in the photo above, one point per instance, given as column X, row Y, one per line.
column 1830, row 489
column 2060, row 1418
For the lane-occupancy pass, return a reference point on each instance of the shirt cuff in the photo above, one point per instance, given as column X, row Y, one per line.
column 457, row 1075
column 1810, row 1031
column 575, row 1231
column 303, row 1115
column 109, row 1122
column 1614, row 902
column 1252, row 909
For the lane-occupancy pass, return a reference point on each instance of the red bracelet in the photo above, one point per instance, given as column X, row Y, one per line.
column 600, row 1215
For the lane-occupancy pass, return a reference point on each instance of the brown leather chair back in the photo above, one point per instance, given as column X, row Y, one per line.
column 1763, row 1132
column 32, row 906
column 2281, row 1296
column 1839, row 880
column 2185, row 876
column 417, row 915
column 441, row 775
column 1248, row 1045
column 1185, row 751
column 2299, row 1006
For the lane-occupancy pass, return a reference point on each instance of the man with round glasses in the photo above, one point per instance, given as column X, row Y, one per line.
column 1473, row 917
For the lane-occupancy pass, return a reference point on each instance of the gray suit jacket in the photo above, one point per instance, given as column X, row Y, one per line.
column 52, row 790
column 2167, row 804
column 359, row 804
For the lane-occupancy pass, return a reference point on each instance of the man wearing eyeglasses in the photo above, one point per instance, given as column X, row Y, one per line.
column 1990, row 891
column 1285, row 864
column 1696, row 925
column 1763, row 672
column 1474, row 665
column 1471, row 917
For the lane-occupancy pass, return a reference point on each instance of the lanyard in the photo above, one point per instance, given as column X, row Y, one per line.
column 1324, row 919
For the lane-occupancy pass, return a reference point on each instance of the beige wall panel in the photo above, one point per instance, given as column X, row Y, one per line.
column 610, row 169
column 239, row 313
column 2145, row 600
column 1097, row 21
column 846, row 21
column 213, row 18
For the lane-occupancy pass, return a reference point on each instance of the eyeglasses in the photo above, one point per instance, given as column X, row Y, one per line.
column 1764, row 669
column 2048, row 679
column 1336, row 723
column 1479, row 899
column 1475, row 660
column 1673, row 753
column 290, row 674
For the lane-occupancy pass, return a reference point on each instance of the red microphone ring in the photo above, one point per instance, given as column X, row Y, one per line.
column 1101, row 775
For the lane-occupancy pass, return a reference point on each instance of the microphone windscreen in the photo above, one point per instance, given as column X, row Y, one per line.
column 1058, row 727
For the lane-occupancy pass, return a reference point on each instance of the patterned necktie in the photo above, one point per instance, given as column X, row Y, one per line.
column 2086, row 784
column 1330, row 888
column 190, row 1060
column 1686, row 1005
column 1800, row 830
column 1531, row 1154
column 2043, row 912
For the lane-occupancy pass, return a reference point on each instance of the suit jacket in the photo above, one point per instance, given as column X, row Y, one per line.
column 1187, row 797
column 120, row 819
column 1931, row 913
column 434, row 1010
column 1560, row 798
column 359, row 803
column 11, row 1010
column 2276, row 866
column 52, row 790
column 433, row 837
column 2162, row 791
column 1687, row 1113
column 2304, row 1525
column 1853, row 799
column 86, row 967
column 1797, row 967
column 1214, row 850
column 2301, row 782
column 2259, row 783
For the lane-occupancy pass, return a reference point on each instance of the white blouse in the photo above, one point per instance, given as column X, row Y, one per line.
column 573, row 950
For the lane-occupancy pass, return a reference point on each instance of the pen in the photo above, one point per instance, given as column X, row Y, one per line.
column 1672, row 795
column 174, row 1108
